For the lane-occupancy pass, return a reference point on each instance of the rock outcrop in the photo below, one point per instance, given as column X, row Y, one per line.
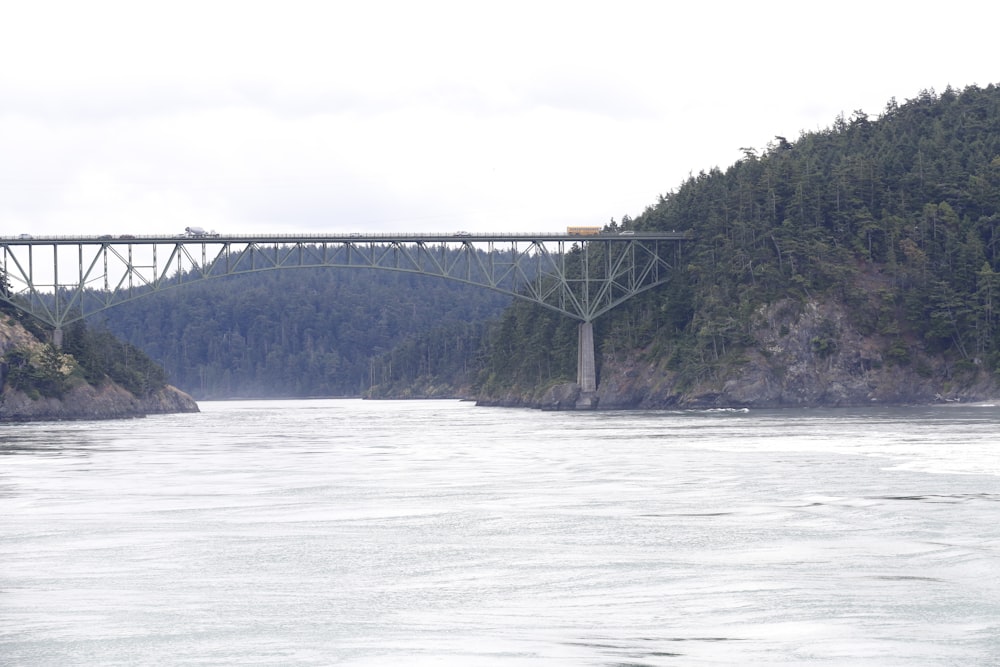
column 108, row 401
column 562, row 396
column 81, row 400
column 804, row 355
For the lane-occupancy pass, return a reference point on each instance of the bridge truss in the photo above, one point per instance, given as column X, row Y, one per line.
column 59, row 280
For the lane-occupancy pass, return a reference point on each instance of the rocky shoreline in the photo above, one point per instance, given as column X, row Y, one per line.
column 108, row 401
column 81, row 401
column 808, row 357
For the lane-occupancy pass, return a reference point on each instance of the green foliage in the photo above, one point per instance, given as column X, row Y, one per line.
column 311, row 332
column 897, row 217
column 87, row 355
column 100, row 355
column 825, row 342
column 529, row 347
column 38, row 372
column 909, row 201
column 438, row 362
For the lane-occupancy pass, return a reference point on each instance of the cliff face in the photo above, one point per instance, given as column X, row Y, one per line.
column 562, row 396
column 805, row 356
column 812, row 358
column 106, row 400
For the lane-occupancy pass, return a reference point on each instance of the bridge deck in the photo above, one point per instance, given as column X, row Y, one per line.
column 147, row 239
column 59, row 279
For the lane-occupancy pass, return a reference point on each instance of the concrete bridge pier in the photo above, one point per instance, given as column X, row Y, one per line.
column 586, row 368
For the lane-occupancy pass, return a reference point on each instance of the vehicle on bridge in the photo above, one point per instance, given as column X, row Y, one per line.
column 199, row 232
column 583, row 231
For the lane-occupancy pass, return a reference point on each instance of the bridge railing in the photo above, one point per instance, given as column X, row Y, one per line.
column 59, row 279
column 212, row 237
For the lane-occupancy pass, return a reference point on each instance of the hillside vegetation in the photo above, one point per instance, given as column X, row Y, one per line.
column 858, row 263
column 93, row 376
column 877, row 237
column 314, row 332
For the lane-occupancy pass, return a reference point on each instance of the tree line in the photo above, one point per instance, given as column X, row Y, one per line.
column 88, row 354
column 310, row 332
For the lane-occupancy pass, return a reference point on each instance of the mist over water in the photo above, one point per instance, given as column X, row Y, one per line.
column 435, row 532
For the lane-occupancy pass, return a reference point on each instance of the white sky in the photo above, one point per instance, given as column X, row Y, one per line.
column 426, row 116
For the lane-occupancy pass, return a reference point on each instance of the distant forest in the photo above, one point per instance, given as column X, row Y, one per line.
column 311, row 332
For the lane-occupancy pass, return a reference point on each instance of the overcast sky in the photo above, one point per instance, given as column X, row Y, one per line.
column 147, row 117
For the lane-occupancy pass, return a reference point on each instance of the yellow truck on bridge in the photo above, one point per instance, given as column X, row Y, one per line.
column 583, row 231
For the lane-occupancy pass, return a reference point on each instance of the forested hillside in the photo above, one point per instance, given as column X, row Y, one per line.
column 851, row 264
column 92, row 376
column 312, row 332
column 890, row 220
column 95, row 356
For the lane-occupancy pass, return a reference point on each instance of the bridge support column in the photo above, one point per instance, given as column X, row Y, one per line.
column 586, row 368
column 57, row 337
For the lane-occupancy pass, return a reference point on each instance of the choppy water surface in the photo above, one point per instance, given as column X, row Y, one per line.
column 439, row 533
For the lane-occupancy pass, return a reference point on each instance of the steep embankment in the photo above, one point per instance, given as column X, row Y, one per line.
column 806, row 355
column 71, row 396
column 107, row 401
column 855, row 265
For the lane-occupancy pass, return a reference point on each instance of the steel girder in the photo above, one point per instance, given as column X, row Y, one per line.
column 61, row 279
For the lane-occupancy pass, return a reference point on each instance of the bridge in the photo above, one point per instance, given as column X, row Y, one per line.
column 62, row 279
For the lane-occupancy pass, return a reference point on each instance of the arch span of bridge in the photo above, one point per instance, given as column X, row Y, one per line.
column 62, row 279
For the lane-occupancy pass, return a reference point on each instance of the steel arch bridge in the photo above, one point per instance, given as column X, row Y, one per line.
column 62, row 279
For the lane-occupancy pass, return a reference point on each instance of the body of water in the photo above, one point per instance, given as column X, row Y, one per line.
column 348, row 532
